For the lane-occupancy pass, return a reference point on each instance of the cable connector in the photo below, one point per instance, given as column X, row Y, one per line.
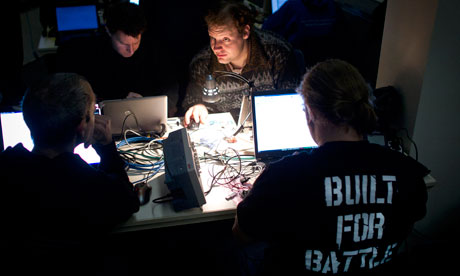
column 231, row 196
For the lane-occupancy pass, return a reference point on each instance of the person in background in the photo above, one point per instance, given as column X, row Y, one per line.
column 237, row 46
column 346, row 206
column 122, row 61
column 57, row 207
column 310, row 26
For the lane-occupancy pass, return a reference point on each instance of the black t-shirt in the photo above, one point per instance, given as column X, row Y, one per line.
column 64, row 198
column 346, row 206
column 56, row 213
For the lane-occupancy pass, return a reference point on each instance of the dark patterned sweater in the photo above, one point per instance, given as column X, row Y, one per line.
column 272, row 65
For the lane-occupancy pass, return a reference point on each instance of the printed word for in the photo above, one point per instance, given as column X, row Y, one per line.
column 361, row 226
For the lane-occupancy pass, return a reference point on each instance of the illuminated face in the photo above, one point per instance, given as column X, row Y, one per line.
column 229, row 45
column 124, row 44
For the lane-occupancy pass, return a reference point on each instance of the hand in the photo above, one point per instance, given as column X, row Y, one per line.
column 133, row 95
column 102, row 133
column 198, row 112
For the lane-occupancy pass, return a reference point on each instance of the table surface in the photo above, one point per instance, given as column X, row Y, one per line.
column 210, row 138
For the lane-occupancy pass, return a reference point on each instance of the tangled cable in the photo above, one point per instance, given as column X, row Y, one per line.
column 233, row 170
column 143, row 154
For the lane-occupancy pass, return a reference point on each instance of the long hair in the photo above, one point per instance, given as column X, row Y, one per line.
column 337, row 90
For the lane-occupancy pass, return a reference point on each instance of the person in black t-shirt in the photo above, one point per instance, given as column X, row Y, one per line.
column 123, row 61
column 346, row 206
column 55, row 206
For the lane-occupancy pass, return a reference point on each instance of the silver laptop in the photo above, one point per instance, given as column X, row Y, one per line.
column 245, row 116
column 145, row 116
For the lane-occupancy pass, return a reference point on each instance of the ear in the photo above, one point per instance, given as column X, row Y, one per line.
column 246, row 31
column 81, row 129
column 309, row 114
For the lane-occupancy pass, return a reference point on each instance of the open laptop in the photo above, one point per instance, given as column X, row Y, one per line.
column 146, row 115
column 76, row 21
column 245, row 115
column 279, row 124
column 13, row 130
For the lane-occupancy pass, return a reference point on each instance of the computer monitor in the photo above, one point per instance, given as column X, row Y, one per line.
column 76, row 18
column 13, row 130
column 279, row 124
column 276, row 4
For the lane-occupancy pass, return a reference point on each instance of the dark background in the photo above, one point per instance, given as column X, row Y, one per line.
column 179, row 32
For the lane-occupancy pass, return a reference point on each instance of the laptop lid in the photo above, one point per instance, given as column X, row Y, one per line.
column 14, row 130
column 245, row 115
column 279, row 124
column 146, row 115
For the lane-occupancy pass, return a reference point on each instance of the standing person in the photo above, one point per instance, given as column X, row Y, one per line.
column 237, row 46
column 56, row 205
column 345, row 207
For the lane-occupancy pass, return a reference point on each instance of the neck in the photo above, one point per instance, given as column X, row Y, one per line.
column 52, row 152
column 243, row 58
column 338, row 133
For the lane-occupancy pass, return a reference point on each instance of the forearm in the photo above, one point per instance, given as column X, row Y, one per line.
column 111, row 162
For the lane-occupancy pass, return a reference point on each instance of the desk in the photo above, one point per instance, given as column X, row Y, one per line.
column 209, row 137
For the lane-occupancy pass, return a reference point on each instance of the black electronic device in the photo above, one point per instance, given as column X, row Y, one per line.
column 143, row 191
column 182, row 175
column 193, row 125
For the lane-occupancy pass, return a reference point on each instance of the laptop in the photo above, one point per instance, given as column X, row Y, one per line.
column 13, row 130
column 245, row 115
column 279, row 124
column 76, row 21
column 145, row 116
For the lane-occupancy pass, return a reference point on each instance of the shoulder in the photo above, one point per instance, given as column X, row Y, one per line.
column 373, row 155
column 272, row 42
column 200, row 64
column 202, row 58
column 410, row 166
column 11, row 154
column 84, row 44
column 293, row 167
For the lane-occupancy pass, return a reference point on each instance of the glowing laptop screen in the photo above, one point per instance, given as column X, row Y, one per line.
column 14, row 130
